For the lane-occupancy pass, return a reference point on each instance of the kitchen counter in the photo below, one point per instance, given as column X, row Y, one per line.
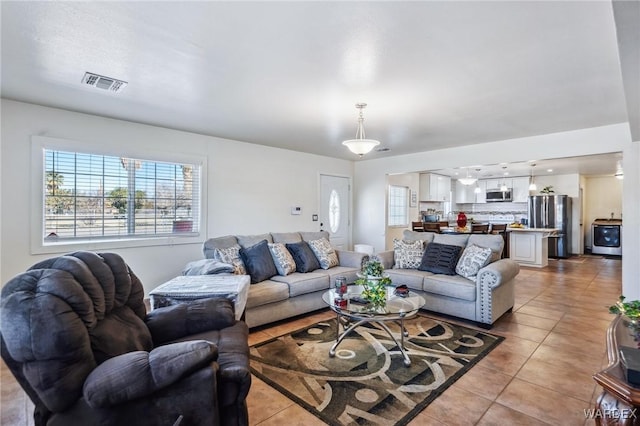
column 530, row 246
column 550, row 231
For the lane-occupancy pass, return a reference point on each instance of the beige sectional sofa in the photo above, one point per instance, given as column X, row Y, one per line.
column 281, row 297
column 482, row 299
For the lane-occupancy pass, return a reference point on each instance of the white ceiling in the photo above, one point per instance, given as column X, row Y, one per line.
column 287, row 74
column 588, row 165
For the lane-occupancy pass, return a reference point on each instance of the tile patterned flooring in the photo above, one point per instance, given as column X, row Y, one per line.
column 540, row 375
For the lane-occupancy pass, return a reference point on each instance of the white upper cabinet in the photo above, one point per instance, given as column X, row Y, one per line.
column 435, row 187
column 481, row 197
column 520, row 189
column 466, row 194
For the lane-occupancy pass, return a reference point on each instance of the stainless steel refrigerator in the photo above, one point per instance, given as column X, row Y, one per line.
column 553, row 211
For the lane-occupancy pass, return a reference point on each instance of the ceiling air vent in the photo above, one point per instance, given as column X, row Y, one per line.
column 102, row 82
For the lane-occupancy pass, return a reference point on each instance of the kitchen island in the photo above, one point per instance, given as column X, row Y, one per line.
column 530, row 246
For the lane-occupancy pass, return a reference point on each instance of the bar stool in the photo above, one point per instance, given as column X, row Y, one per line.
column 477, row 228
column 417, row 226
column 432, row 227
column 501, row 229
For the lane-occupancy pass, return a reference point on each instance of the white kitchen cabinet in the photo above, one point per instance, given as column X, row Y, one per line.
column 520, row 192
column 466, row 194
column 481, row 197
column 497, row 183
column 435, row 187
column 529, row 247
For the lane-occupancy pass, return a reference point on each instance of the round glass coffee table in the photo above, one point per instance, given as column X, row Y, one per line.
column 396, row 309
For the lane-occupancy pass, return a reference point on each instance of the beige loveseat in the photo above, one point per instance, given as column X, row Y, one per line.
column 482, row 299
column 284, row 296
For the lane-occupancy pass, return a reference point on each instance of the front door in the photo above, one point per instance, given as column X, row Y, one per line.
column 335, row 198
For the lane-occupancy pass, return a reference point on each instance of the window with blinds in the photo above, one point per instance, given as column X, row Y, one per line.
column 398, row 206
column 100, row 197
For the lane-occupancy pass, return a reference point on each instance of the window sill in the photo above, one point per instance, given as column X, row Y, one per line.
column 93, row 245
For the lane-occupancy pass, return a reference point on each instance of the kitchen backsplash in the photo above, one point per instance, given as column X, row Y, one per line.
column 512, row 208
column 495, row 212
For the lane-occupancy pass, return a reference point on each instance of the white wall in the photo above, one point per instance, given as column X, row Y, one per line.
column 631, row 221
column 370, row 178
column 604, row 197
column 412, row 181
column 251, row 188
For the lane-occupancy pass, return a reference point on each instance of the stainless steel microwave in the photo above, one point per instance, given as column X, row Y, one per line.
column 497, row 196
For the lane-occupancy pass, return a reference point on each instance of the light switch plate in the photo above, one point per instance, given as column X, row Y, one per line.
column 296, row 210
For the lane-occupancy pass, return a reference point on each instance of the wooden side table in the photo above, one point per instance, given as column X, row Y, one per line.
column 619, row 403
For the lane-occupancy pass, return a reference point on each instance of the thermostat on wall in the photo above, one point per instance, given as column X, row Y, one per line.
column 296, row 210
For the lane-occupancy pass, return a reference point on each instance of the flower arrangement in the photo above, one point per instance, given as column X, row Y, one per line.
column 373, row 281
column 547, row 190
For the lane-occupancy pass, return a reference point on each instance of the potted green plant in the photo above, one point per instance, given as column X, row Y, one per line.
column 630, row 310
column 372, row 278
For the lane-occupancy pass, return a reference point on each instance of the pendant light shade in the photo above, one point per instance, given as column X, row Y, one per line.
column 361, row 145
column 467, row 180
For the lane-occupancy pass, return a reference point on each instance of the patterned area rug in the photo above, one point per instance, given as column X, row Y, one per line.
column 367, row 382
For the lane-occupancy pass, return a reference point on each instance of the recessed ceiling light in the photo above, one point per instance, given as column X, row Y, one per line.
column 549, row 170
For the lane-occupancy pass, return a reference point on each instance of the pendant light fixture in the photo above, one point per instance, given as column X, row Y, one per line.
column 477, row 189
column 467, row 180
column 532, row 185
column 361, row 145
column 503, row 187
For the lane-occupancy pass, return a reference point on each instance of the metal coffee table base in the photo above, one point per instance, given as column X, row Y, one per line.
column 365, row 320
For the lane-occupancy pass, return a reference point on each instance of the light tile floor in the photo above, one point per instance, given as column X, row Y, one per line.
column 541, row 374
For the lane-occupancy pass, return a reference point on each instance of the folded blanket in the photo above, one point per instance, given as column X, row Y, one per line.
column 207, row 267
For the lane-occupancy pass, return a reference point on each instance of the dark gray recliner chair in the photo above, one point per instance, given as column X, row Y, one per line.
column 76, row 335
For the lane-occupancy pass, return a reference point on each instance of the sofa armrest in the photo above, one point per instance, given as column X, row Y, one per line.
column 351, row 259
column 387, row 259
column 498, row 272
column 138, row 374
column 176, row 321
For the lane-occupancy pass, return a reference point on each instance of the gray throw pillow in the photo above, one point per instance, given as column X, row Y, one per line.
column 473, row 258
column 440, row 259
column 258, row 262
column 231, row 255
column 407, row 254
column 305, row 260
column 325, row 254
column 282, row 259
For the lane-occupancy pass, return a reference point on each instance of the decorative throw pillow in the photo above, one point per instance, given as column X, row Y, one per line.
column 440, row 259
column 282, row 259
column 302, row 254
column 407, row 254
column 473, row 258
column 231, row 255
column 325, row 254
column 258, row 261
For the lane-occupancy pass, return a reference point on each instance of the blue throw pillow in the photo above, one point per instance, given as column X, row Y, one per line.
column 258, row 262
column 440, row 259
column 302, row 254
